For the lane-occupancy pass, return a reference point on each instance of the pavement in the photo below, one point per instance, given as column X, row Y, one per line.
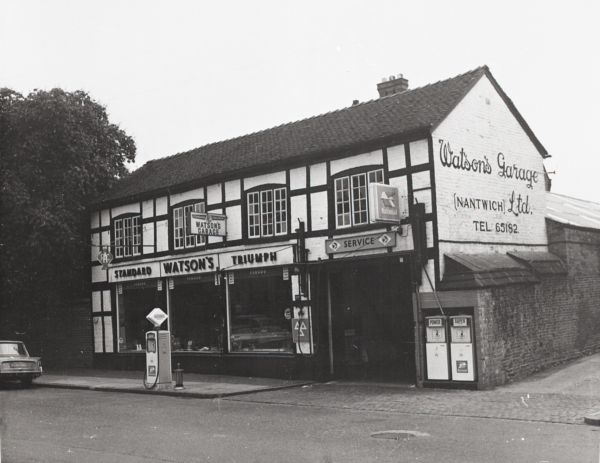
column 568, row 393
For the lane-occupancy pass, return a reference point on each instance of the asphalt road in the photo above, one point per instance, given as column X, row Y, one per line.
column 57, row 425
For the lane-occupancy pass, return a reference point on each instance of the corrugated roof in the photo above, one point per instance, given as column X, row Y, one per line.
column 571, row 211
column 394, row 115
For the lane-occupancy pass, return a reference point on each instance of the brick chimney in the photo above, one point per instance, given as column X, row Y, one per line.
column 392, row 85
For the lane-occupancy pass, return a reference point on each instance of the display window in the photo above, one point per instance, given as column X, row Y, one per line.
column 135, row 301
column 197, row 315
column 257, row 303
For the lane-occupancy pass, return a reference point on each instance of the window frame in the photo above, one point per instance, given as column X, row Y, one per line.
column 128, row 236
column 351, row 197
column 181, row 238
column 267, row 212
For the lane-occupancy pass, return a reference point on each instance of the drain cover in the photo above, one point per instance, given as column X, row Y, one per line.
column 397, row 435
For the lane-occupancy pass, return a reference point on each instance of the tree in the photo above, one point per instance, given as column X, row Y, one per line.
column 58, row 152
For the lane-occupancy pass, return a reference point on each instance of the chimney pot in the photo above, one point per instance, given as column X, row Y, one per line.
column 392, row 85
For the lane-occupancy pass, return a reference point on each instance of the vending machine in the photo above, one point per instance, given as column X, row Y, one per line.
column 462, row 355
column 436, row 347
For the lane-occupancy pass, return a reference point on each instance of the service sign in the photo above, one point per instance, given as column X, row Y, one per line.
column 385, row 202
column 205, row 223
column 360, row 243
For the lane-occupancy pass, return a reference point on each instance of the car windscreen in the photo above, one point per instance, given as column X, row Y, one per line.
column 12, row 348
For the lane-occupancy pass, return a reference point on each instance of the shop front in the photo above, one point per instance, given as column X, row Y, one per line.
column 220, row 306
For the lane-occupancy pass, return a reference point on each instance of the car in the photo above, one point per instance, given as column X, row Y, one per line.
column 17, row 365
column 259, row 332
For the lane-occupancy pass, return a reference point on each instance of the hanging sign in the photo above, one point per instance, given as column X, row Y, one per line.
column 105, row 257
column 386, row 204
column 157, row 317
column 205, row 223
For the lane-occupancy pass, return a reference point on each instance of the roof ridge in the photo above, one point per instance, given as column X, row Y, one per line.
column 334, row 111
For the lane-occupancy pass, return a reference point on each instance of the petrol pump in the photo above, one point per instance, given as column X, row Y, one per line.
column 436, row 347
column 158, row 354
column 462, row 356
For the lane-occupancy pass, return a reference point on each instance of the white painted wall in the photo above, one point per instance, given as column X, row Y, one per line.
column 277, row 177
column 148, row 209
column 419, row 153
column 148, row 238
column 214, row 194
column 232, row 190
column 396, row 157
column 162, row 236
column 366, row 159
column 483, row 126
column 198, row 194
column 126, row 209
column 318, row 210
column 318, row 174
column 298, row 210
column 298, row 178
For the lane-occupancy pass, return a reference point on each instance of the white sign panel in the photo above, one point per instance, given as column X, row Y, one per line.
column 201, row 223
column 157, row 317
column 134, row 272
column 386, row 204
column 259, row 257
column 189, row 265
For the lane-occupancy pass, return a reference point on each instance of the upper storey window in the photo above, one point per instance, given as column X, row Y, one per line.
column 181, row 238
column 351, row 198
column 267, row 213
column 128, row 236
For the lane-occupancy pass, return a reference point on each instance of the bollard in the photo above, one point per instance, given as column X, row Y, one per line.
column 179, row 378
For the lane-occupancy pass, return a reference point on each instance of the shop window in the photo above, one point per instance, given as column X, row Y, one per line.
column 267, row 213
column 257, row 313
column 128, row 236
column 134, row 302
column 197, row 309
column 181, row 238
column 351, row 198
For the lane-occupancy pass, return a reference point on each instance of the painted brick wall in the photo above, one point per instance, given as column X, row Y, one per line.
column 482, row 131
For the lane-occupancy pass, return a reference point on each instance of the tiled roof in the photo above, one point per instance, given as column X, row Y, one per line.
column 571, row 211
column 372, row 121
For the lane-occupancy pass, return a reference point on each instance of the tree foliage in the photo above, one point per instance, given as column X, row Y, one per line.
column 58, row 152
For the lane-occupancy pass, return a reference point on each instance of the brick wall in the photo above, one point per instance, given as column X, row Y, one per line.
column 525, row 328
column 65, row 337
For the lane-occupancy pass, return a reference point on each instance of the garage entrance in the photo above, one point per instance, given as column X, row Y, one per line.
column 372, row 320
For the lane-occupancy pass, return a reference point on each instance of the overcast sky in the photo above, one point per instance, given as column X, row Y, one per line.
column 180, row 74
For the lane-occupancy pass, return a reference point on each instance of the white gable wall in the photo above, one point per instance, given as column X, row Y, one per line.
column 482, row 205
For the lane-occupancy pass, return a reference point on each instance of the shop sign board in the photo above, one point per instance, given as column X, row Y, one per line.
column 255, row 258
column 140, row 271
column 205, row 223
column 189, row 265
column 360, row 243
column 386, row 204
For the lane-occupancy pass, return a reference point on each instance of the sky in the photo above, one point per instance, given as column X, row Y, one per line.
column 181, row 74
